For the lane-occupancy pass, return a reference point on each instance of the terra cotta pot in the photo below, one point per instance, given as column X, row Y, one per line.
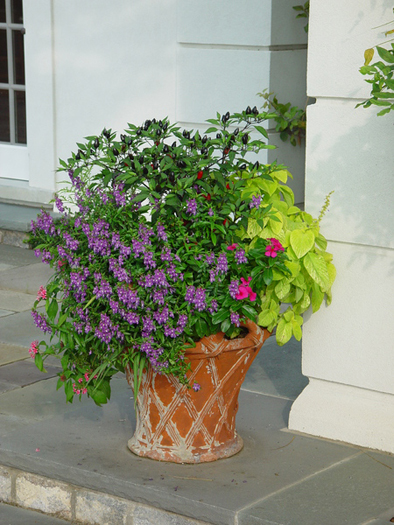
column 175, row 423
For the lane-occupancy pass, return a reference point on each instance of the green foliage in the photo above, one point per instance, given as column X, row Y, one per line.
column 153, row 220
column 303, row 12
column 290, row 120
column 310, row 272
column 381, row 73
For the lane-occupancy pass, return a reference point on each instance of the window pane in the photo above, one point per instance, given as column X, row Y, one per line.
column 3, row 57
column 4, row 116
column 2, row 10
column 16, row 12
column 19, row 60
column 20, row 117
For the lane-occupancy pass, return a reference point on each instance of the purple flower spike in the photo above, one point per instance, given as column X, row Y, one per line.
column 191, row 207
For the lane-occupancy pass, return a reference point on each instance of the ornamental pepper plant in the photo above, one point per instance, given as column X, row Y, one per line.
column 151, row 251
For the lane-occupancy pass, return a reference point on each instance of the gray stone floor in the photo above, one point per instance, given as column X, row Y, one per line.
column 278, row 478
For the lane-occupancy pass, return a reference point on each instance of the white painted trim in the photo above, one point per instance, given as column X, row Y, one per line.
column 345, row 413
column 14, row 162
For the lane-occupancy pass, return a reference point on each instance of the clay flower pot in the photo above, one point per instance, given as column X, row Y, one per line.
column 177, row 424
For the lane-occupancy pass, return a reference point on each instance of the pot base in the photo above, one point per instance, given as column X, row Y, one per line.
column 182, row 454
column 178, row 424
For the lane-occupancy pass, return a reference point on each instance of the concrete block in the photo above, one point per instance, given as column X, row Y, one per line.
column 49, row 496
column 149, row 516
column 102, row 509
column 5, row 485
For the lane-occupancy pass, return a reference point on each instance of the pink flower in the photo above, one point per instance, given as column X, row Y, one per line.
column 276, row 244
column 232, row 246
column 33, row 349
column 84, row 391
column 270, row 251
column 252, row 295
column 86, row 376
column 273, row 249
column 244, row 290
column 42, row 293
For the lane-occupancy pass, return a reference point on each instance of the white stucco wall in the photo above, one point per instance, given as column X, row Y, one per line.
column 91, row 65
column 348, row 350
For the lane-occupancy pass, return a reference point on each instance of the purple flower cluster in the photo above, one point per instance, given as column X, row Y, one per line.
column 77, row 286
column 128, row 297
column 222, row 263
column 119, row 195
column 255, row 203
column 105, row 331
column 233, row 289
column 234, row 318
column 191, row 207
column 240, row 257
column 59, row 205
column 45, row 223
column 71, row 243
column 196, row 297
column 161, row 233
column 41, row 322
column 153, row 355
column 102, row 288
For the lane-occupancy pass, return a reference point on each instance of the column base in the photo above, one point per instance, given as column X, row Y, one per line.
column 345, row 413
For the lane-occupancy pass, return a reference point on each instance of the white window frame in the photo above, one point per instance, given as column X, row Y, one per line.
column 11, row 87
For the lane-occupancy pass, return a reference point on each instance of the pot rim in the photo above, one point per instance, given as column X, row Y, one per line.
column 227, row 345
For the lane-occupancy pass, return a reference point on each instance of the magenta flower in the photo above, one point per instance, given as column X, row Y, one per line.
column 270, row 252
column 244, row 290
column 42, row 293
column 232, row 246
column 33, row 349
column 273, row 249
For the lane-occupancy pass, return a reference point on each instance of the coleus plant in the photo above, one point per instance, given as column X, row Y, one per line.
column 158, row 246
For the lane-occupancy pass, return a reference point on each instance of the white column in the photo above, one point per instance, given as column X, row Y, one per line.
column 348, row 348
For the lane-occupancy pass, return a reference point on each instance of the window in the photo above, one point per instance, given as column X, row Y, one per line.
column 12, row 73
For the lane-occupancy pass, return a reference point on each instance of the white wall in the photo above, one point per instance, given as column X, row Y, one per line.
column 91, row 65
column 348, row 350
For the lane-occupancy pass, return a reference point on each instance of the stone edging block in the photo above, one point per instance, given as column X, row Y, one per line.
column 77, row 504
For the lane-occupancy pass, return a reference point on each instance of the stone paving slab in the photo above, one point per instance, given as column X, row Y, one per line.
column 323, row 497
column 16, row 301
column 276, row 370
column 14, row 257
column 19, row 329
column 25, row 373
column 89, row 444
column 10, row 353
column 25, row 279
column 11, row 515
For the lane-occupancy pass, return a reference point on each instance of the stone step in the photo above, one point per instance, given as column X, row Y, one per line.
column 72, row 503
column 15, row 221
